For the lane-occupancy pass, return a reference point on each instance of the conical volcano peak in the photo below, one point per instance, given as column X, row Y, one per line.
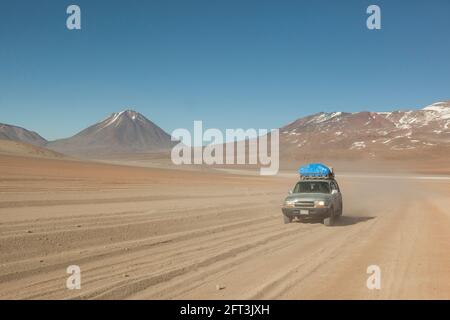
column 125, row 114
column 122, row 132
column 130, row 113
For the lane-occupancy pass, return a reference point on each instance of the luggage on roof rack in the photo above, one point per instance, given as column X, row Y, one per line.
column 315, row 171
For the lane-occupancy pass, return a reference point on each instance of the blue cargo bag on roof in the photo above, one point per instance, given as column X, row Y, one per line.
column 315, row 170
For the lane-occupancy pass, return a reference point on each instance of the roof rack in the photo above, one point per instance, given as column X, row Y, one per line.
column 327, row 177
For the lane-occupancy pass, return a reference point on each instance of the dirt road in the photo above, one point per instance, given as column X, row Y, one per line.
column 139, row 233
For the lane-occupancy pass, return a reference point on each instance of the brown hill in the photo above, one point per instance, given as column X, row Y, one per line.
column 17, row 148
column 15, row 133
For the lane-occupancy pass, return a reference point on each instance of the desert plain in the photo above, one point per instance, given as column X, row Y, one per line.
column 174, row 233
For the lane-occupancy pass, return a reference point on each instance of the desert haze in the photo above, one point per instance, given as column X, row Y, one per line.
column 155, row 233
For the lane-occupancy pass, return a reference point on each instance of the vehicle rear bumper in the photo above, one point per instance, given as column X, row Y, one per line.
column 312, row 212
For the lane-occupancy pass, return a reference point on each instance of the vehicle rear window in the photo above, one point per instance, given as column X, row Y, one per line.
column 312, row 187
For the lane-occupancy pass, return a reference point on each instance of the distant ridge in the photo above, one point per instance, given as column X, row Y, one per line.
column 15, row 133
column 365, row 135
column 423, row 133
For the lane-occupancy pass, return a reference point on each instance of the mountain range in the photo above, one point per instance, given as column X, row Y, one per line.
column 338, row 134
column 369, row 134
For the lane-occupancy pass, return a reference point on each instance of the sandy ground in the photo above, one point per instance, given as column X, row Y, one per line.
column 143, row 233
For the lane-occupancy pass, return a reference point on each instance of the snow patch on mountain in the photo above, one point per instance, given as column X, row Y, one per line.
column 358, row 145
column 373, row 131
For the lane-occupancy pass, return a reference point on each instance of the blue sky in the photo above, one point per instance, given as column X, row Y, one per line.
column 230, row 63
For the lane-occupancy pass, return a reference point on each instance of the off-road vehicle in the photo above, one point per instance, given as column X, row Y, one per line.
column 315, row 197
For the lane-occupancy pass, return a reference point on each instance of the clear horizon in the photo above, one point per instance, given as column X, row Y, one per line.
column 258, row 64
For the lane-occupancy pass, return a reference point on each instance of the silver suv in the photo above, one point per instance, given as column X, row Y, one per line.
column 310, row 199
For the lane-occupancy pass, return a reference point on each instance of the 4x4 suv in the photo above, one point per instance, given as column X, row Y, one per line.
column 317, row 198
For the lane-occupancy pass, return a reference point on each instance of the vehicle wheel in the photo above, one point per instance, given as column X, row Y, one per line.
column 286, row 219
column 330, row 220
column 341, row 210
column 337, row 215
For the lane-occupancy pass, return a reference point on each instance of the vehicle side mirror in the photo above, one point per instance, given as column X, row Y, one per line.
column 334, row 191
column 290, row 192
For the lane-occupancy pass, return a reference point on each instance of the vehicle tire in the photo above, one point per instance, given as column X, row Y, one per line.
column 330, row 221
column 286, row 219
column 341, row 210
column 337, row 215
